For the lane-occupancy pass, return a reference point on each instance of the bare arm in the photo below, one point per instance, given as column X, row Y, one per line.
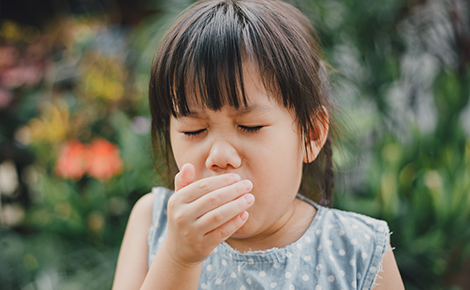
column 390, row 277
column 133, row 257
column 168, row 273
column 132, row 271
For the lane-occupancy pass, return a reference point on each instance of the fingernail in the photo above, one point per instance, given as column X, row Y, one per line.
column 236, row 177
column 248, row 185
column 244, row 216
column 249, row 198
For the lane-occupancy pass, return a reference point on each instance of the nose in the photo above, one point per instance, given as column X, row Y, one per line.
column 223, row 156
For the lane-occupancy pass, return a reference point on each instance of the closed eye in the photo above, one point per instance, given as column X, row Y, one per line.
column 251, row 129
column 193, row 133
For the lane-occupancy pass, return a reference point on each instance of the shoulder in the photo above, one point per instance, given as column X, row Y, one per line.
column 132, row 262
column 345, row 223
column 356, row 227
column 148, row 209
column 141, row 214
column 143, row 206
column 151, row 205
column 356, row 242
column 356, row 220
column 158, row 201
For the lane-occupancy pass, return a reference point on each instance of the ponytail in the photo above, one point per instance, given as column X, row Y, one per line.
column 329, row 175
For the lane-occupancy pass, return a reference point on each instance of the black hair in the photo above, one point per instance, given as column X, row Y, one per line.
column 203, row 54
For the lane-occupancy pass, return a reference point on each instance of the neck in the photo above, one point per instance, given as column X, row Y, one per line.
column 288, row 229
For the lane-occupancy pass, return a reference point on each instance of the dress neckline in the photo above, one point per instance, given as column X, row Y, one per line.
column 276, row 254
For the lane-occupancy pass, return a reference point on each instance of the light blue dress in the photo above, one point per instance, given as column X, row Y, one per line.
column 339, row 250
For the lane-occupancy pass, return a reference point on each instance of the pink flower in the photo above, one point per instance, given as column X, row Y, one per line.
column 103, row 160
column 18, row 76
column 71, row 162
column 99, row 160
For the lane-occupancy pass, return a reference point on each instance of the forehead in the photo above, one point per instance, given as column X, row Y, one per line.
column 248, row 94
column 256, row 105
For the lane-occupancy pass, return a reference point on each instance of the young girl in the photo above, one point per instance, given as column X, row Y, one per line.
column 238, row 94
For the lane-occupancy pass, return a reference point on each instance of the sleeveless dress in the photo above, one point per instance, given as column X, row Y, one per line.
column 339, row 250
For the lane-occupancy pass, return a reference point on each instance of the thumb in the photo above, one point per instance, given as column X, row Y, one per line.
column 185, row 176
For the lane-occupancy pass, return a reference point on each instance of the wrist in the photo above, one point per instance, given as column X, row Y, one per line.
column 177, row 257
column 166, row 272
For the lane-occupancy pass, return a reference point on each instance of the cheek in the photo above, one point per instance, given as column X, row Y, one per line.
column 178, row 149
column 287, row 149
column 185, row 152
column 278, row 166
column 175, row 148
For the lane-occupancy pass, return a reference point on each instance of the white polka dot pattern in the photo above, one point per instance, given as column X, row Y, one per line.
column 340, row 250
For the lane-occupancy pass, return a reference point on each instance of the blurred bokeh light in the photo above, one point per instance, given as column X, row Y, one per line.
column 75, row 149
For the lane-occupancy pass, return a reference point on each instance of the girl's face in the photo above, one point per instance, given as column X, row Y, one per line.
column 260, row 142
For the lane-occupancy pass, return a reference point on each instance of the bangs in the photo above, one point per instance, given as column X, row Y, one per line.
column 203, row 56
column 206, row 60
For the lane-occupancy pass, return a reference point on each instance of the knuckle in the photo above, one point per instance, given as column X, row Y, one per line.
column 172, row 203
column 179, row 219
column 213, row 200
column 203, row 185
column 223, row 233
column 217, row 217
column 229, row 178
column 238, row 222
column 241, row 204
column 241, row 188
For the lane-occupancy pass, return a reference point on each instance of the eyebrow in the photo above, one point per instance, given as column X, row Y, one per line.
column 243, row 110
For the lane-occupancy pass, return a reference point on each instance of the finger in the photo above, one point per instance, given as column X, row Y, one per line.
column 221, row 196
column 226, row 230
column 204, row 186
column 185, row 176
column 219, row 216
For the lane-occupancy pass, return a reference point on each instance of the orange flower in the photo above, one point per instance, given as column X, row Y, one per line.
column 103, row 160
column 71, row 162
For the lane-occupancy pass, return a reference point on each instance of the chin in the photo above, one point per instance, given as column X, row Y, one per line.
column 241, row 233
column 245, row 232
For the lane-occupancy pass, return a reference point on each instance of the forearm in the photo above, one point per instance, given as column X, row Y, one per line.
column 166, row 273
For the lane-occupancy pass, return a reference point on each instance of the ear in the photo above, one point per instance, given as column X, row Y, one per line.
column 317, row 135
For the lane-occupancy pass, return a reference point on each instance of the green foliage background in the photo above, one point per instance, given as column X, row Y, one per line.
column 401, row 83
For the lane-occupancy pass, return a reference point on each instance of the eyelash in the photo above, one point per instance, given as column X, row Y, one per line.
column 243, row 128
column 194, row 133
column 251, row 129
